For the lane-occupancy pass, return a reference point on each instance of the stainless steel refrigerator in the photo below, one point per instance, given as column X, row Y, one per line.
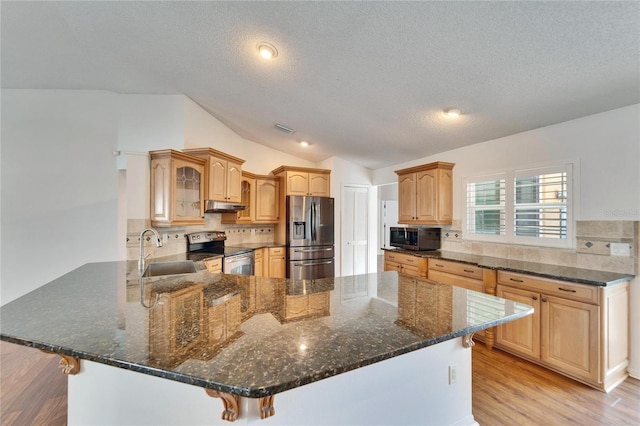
column 310, row 249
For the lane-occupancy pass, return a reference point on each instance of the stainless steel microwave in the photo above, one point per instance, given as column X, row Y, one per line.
column 415, row 238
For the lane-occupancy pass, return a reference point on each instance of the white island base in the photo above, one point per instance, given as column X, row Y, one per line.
column 410, row 389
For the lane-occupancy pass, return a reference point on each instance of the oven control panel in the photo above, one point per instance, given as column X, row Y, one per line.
column 206, row 236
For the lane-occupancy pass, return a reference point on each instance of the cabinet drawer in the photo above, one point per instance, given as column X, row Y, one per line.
column 276, row 251
column 406, row 259
column 456, row 268
column 564, row 289
column 258, row 254
column 213, row 265
column 456, row 280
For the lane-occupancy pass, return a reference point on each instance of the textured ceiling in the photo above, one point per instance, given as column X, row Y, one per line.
column 364, row 81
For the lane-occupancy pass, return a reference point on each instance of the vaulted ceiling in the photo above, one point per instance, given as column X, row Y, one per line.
column 364, row 81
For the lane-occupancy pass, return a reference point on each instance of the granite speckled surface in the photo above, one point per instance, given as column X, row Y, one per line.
column 565, row 273
column 249, row 336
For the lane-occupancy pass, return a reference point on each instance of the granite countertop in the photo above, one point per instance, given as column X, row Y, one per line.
column 263, row 347
column 565, row 273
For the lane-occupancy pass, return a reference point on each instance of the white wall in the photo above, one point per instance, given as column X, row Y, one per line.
column 607, row 146
column 59, row 185
column 202, row 129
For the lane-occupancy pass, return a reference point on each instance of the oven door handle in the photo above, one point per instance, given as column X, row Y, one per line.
column 237, row 258
column 312, row 250
column 304, row 263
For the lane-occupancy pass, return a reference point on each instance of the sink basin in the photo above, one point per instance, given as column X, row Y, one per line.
column 169, row 268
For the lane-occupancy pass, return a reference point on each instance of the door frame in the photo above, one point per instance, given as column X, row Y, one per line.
column 367, row 218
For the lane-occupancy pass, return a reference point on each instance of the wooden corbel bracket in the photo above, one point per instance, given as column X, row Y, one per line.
column 467, row 341
column 231, row 404
column 68, row 364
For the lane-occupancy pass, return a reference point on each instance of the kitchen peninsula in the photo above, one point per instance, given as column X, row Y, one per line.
column 273, row 350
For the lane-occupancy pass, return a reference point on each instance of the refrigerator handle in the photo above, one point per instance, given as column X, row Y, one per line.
column 313, row 225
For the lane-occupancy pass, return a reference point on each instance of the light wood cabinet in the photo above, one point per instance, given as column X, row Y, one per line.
column 177, row 189
column 458, row 274
column 258, row 262
column 577, row 330
column 405, row 263
column 425, row 194
column 277, row 262
column 247, row 198
column 267, row 200
column 260, row 195
column 223, row 175
column 304, row 181
column 214, row 265
column 467, row 276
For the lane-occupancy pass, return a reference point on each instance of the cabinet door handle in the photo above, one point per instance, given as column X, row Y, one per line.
column 469, row 271
column 544, row 299
column 515, row 280
column 439, row 265
column 535, row 297
column 566, row 289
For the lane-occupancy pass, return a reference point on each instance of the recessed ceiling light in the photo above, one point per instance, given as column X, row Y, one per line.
column 267, row 50
column 453, row 112
column 304, row 144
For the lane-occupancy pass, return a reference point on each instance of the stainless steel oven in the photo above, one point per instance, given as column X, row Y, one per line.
column 203, row 244
column 240, row 263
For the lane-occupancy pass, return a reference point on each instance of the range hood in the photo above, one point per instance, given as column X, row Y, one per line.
column 211, row 206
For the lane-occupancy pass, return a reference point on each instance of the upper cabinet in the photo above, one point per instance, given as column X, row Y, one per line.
column 177, row 190
column 223, row 175
column 260, row 196
column 425, row 194
column 267, row 205
column 304, row 181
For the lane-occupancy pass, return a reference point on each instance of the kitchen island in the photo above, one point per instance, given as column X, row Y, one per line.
column 371, row 349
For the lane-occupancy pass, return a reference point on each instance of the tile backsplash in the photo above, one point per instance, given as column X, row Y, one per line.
column 174, row 241
column 594, row 242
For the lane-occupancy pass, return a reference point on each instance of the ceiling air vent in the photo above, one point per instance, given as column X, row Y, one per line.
column 284, row 128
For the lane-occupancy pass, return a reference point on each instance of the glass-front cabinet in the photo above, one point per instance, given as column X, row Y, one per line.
column 177, row 188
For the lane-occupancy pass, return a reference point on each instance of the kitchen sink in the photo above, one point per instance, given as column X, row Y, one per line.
column 170, row 268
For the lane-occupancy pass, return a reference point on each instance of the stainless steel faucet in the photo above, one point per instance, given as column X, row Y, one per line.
column 142, row 256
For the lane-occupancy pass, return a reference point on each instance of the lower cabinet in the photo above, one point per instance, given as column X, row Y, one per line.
column 277, row 262
column 258, row 262
column 405, row 263
column 458, row 274
column 577, row 330
column 466, row 276
column 214, row 265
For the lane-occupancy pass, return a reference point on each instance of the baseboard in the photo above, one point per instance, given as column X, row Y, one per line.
column 635, row 373
column 467, row 421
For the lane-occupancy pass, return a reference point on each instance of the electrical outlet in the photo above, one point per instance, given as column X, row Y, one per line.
column 452, row 374
column 620, row 249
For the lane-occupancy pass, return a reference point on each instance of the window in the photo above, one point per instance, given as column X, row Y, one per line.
column 523, row 206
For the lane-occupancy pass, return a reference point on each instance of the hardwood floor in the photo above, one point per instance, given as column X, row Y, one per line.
column 510, row 391
column 506, row 391
column 33, row 390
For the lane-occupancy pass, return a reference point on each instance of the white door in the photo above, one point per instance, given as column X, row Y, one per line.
column 355, row 241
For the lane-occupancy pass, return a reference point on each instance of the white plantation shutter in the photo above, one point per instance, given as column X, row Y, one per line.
column 532, row 206
column 486, row 208
column 541, row 206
